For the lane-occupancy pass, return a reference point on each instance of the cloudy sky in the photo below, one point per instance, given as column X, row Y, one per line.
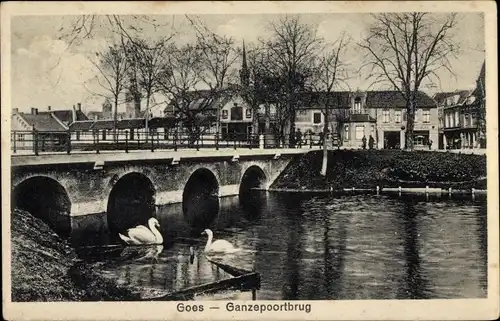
column 46, row 71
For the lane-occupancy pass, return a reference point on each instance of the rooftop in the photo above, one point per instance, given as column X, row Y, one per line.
column 43, row 121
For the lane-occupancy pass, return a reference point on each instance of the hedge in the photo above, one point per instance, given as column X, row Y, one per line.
column 384, row 168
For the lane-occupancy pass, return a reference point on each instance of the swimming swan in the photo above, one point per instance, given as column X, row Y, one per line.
column 142, row 235
column 219, row 246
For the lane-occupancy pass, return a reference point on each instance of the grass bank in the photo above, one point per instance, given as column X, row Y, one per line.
column 384, row 168
column 45, row 268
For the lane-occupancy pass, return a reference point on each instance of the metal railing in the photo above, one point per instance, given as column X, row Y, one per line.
column 38, row 142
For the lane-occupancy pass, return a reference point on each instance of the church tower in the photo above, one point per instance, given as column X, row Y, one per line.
column 107, row 109
column 133, row 102
column 244, row 72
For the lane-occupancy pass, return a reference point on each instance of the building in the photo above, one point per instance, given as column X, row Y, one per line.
column 197, row 109
column 479, row 107
column 458, row 123
column 451, row 117
column 380, row 114
column 48, row 128
column 462, row 121
column 106, row 112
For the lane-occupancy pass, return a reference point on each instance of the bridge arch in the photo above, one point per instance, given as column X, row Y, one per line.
column 131, row 202
column 250, row 202
column 200, row 198
column 253, row 177
column 45, row 198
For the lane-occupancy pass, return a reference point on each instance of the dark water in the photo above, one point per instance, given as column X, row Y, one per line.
column 324, row 247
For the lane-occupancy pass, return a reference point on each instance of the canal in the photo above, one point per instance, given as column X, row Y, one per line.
column 320, row 247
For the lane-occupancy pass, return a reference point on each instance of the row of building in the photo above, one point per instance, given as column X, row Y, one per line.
column 451, row 120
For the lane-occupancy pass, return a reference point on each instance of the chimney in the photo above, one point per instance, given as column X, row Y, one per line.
column 34, row 111
column 49, row 108
column 79, row 106
column 15, row 110
column 73, row 113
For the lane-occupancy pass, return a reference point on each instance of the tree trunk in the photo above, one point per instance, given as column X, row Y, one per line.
column 410, row 124
column 137, row 100
column 324, row 164
column 115, row 120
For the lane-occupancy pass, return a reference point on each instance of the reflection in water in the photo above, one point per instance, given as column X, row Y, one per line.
column 326, row 247
column 412, row 287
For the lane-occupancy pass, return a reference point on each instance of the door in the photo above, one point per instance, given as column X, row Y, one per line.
column 392, row 140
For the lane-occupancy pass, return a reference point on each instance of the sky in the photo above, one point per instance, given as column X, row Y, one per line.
column 46, row 71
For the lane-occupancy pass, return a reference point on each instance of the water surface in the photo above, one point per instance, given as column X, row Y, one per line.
column 327, row 247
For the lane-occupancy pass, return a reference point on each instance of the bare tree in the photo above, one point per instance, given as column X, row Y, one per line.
column 147, row 61
column 112, row 66
column 130, row 27
column 404, row 49
column 330, row 70
column 179, row 80
column 218, row 55
column 291, row 51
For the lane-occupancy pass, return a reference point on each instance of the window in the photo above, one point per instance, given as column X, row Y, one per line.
column 346, row 132
column 236, row 112
column 473, row 119
column 385, row 115
column 317, row 118
column 357, row 105
column 404, row 115
column 426, row 114
column 104, row 134
column 457, row 119
column 466, row 120
column 248, row 113
column 360, row 132
column 224, row 114
column 77, row 135
column 20, row 137
column 397, row 115
column 132, row 134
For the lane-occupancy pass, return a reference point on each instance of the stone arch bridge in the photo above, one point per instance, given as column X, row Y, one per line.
column 84, row 195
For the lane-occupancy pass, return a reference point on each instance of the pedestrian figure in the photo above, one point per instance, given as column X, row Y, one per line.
column 430, row 144
column 298, row 138
column 386, row 143
column 371, row 141
column 364, row 142
column 293, row 139
column 321, row 138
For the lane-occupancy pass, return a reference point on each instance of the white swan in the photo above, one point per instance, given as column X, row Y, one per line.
column 219, row 246
column 142, row 235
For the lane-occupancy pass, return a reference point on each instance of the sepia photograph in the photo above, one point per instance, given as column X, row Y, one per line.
column 250, row 160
